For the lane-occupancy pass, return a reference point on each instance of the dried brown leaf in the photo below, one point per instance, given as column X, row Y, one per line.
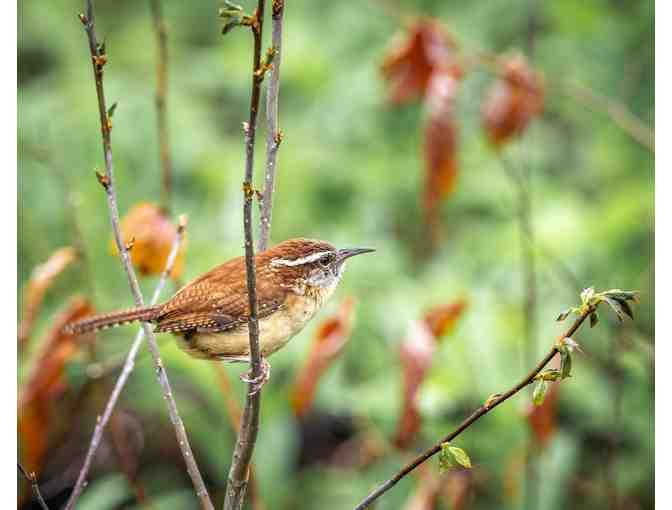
column 40, row 281
column 512, row 101
column 327, row 345
column 45, row 382
column 413, row 58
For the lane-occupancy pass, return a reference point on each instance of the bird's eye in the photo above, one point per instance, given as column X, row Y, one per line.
column 325, row 261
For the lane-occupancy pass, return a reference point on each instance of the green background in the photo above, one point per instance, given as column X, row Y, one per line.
column 351, row 172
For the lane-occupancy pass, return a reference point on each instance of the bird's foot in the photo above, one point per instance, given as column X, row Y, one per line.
column 257, row 382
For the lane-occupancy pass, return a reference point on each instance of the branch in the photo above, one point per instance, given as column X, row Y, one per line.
column 273, row 134
column 490, row 404
column 129, row 364
column 617, row 112
column 98, row 61
column 36, row 488
column 160, row 29
column 247, row 435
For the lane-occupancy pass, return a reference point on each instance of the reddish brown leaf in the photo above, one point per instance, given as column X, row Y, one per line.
column 416, row 353
column 414, row 57
column 541, row 419
column 327, row 345
column 150, row 235
column 440, row 143
column 41, row 279
column 45, row 382
column 512, row 101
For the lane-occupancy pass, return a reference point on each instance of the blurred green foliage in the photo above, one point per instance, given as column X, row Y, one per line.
column 350, row 171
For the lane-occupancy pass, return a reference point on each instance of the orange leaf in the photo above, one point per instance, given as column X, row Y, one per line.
column 41, row 280
column 45, row 382
column 512, row 101
column 414, row 57
column 440, row 142
column 442, row 319
column 417, row 353
column 328, row 343
column 151, row 235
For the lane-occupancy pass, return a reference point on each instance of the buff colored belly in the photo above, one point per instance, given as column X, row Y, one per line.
column 274, row 332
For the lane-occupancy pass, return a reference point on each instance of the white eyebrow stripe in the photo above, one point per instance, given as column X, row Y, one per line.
column 297, row 262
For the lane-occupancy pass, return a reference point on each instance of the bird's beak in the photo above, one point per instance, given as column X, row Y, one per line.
column 346, row 253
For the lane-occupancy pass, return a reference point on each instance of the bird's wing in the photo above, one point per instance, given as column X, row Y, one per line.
column 218, row 300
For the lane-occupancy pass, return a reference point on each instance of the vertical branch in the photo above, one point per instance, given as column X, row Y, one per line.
column 247, row 435
column 161, row 30
column 98, row 61
column 129, row 364
column 273, row 134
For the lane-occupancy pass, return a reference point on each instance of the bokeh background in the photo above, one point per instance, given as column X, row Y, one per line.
column 352, row 171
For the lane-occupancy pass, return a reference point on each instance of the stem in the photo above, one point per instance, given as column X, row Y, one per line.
column 36, row 487
column 478, row 413
column 98, row 60
column 273, row 134
column 161, row 30
column 129, row 364
column 247, row 435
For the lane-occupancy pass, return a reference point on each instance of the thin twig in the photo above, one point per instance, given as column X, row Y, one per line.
column 98, row 60
column 161, row 32
column 478, row 413
column 617, row 112
column 32, row 478
column 129, row 364
column 247, row 435
column 273, row 134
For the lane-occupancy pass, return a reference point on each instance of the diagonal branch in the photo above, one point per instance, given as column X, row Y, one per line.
column 98, row 61
column 273, row 134
column 247, row 435
column 490, row 404
column 129, row 364
column 161, row 31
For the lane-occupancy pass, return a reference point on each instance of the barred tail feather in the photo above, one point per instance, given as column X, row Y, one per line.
column 110, row 320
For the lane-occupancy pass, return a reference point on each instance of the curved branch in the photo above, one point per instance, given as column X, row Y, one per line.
column 98, row 61
column 475, row 416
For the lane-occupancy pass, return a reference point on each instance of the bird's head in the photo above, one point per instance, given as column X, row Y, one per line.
column 317, row 263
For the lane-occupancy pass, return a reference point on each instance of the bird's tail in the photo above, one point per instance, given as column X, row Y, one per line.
column 110, row 320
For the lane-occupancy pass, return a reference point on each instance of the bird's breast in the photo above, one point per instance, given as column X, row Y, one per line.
column 275, row 331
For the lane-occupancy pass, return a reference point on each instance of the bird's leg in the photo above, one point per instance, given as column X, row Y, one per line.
column 260, row 380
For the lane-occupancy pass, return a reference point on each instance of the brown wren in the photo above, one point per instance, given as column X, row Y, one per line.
column 209, row 315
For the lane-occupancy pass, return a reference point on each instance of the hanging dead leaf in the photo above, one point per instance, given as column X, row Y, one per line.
column 512, row 101
column 416, row 353
column 542, row 418
column 151, row 235
column 413, row 58
column 440, row 144
column 40, row 281
column 327, row 345
column 46, row 382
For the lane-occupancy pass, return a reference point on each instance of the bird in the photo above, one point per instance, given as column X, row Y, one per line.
column 209, row 315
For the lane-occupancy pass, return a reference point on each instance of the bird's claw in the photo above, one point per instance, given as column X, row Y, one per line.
column 257, row 382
